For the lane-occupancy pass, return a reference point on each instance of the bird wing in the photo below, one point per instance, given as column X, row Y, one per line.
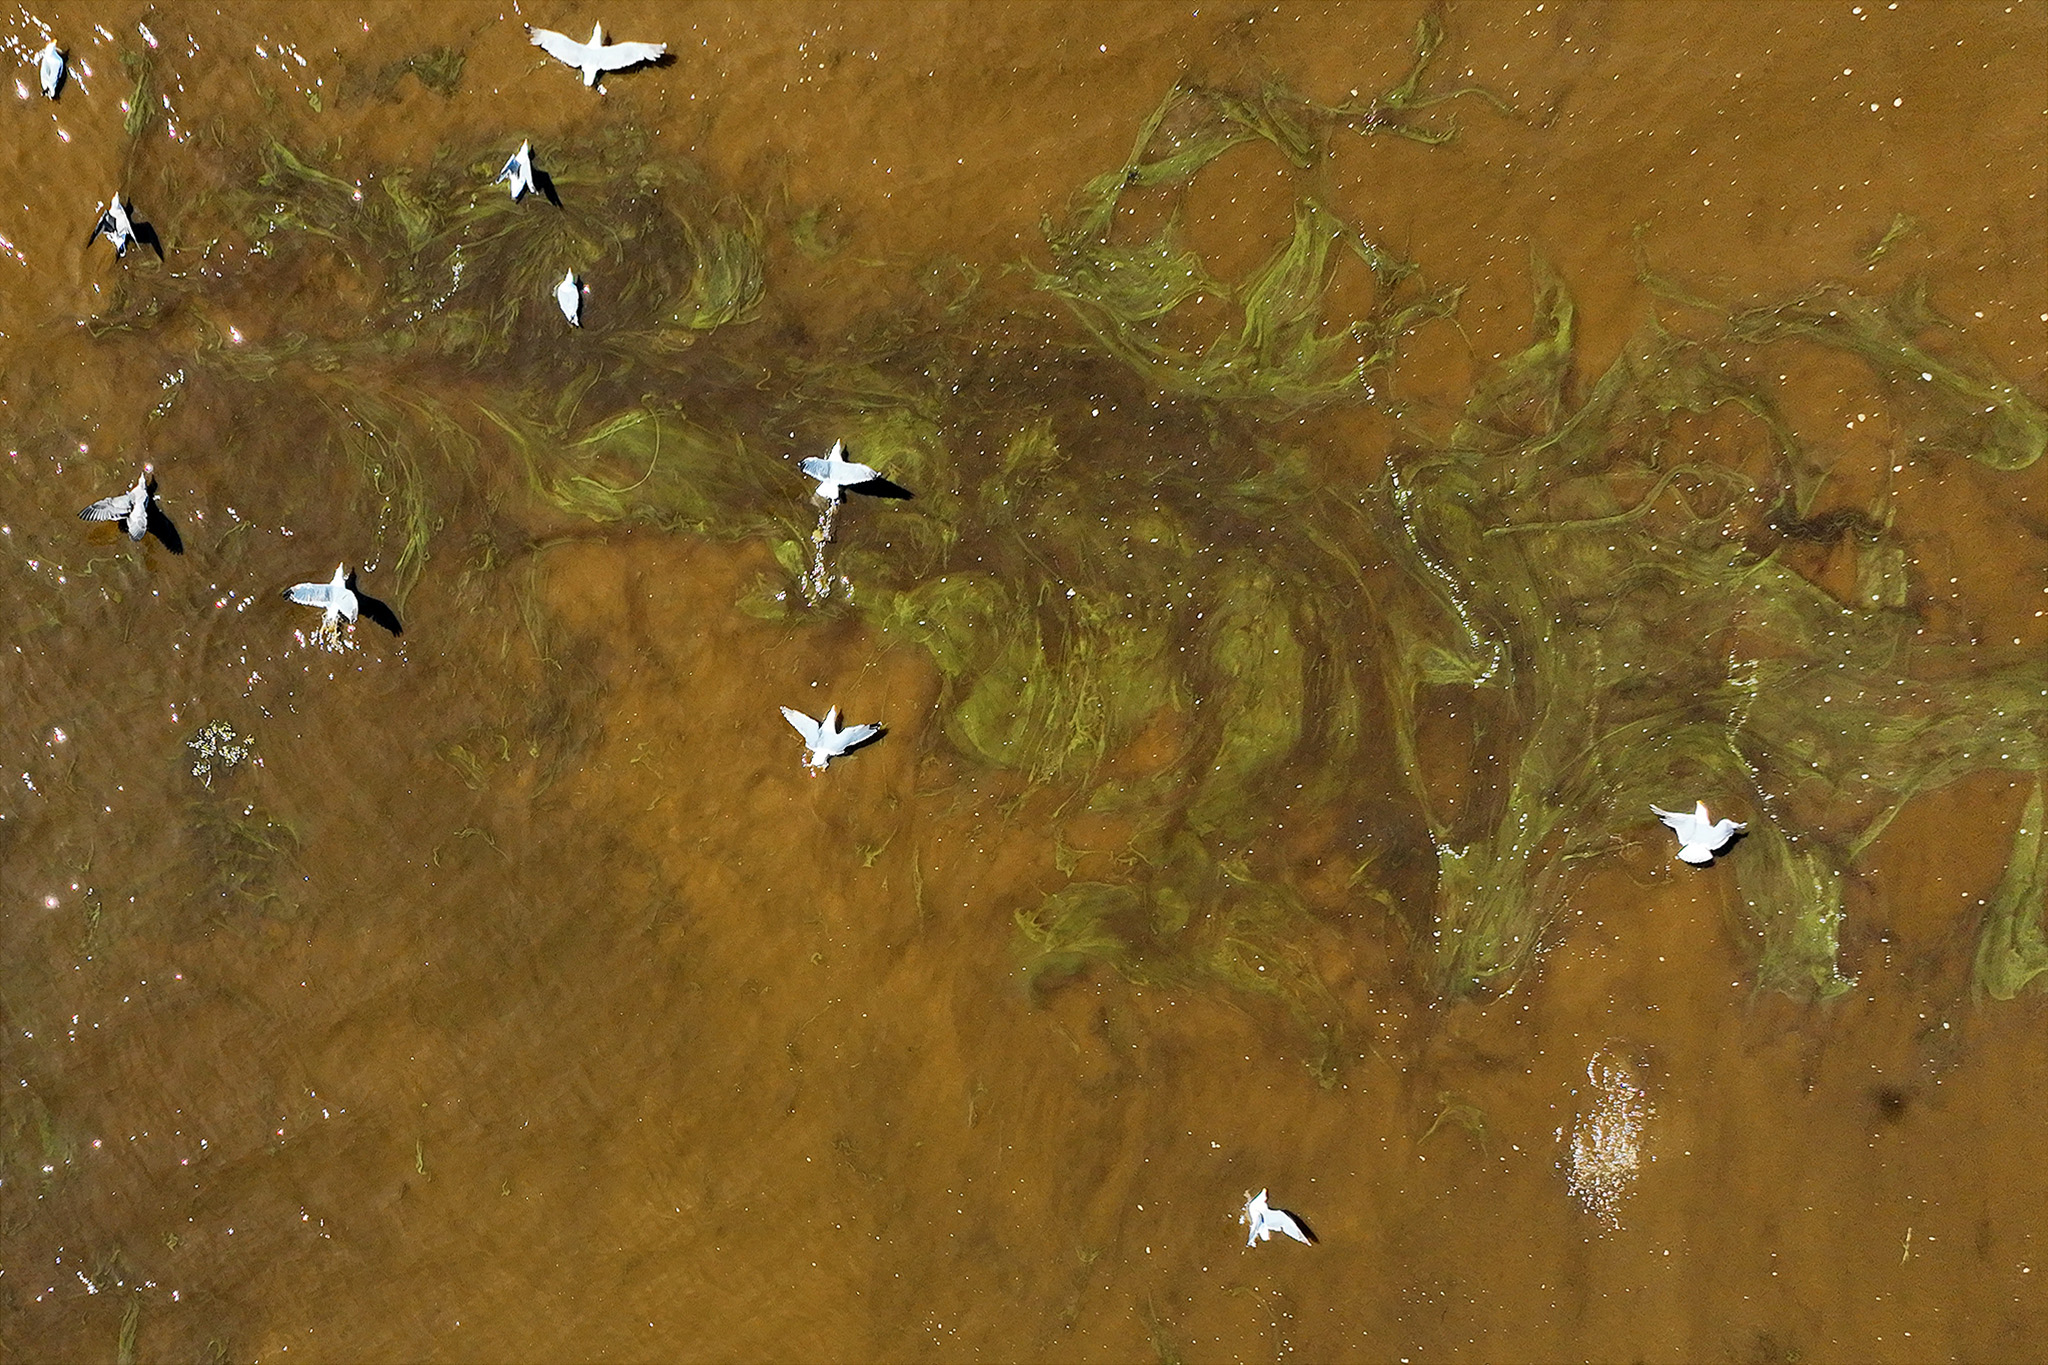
column 1688, row 826
column 560, row 46
column 805, row 726
column 110, row 509
column 1287, row 1223
column 618, row 56
column 852, row 736
column 323, row 595
column 849, row 472
column 817, row 468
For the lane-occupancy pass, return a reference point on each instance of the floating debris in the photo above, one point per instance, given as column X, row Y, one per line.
column 818, row 579
column 597, row 55
column 218, row 748
column 1265, row 1220
column 826, row 740
column 1607, row 1137
column 1700, row 836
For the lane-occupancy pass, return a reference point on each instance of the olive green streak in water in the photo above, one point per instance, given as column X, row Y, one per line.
column 1552, row 589
column 1567, row 617
column 1081, row 580
column 2012, row 949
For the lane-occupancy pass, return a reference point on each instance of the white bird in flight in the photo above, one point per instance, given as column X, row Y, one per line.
column 1700, row 836
column 825, row 739
column 50, row 66
column 115, row 223
column 333, row 598
column 597, row 55
column 835, row 473
column 519, row 170
column 130, row 508
column 1265, row 1220
column 569, row 294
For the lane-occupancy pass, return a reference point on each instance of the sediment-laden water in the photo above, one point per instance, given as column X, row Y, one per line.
column 1344, row 465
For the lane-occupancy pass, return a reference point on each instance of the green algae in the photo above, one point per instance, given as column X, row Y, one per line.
column 2012, row 946
column 142, row 108
column 1279, row 347
column 439, row 69
column 1794, row 899
column 1524, row 612
column 246, row 854
column 1570, row 619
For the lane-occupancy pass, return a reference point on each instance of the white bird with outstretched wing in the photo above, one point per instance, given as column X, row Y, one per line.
column 334, row 598
column 596, row 56
column 130, row 508
column 115, row 223
column 835, row 473
column 1700, row 836
column 1264, row 1220
column 825, row 740
column 519, row 170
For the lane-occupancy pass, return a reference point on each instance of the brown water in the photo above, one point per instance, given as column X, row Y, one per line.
column 523, row 998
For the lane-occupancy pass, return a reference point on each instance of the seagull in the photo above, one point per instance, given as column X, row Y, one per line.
column 332, row 597
column 1264, row 1221
column 835, row 473
column 569, row 294
column 50, row 66
column 596, row 55
column 114, row 222
column 519, row 170
column 131, row 508
column 1700, row 836
column 826, row 740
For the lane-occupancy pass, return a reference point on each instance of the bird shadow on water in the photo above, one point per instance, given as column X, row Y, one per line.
column 545, row 183
column 146, row 234
column 165, row 530
column 1722, row 852
column 376, row 609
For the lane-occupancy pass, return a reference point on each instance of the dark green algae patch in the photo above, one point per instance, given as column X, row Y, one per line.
column 1144, row 516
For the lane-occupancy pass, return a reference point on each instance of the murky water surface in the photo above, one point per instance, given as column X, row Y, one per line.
column 1275, row 678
